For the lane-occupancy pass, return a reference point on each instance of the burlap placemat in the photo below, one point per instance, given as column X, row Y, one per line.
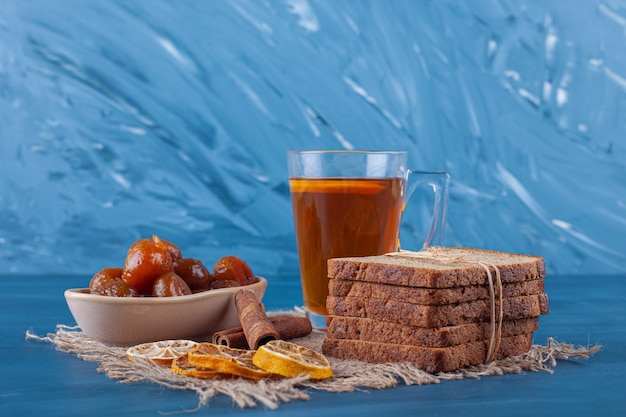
column 348, row 375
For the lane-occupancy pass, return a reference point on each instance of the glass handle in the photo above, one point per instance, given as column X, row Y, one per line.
column 439, row 182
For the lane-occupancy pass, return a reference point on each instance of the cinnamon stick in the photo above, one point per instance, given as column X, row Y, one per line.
column 257, row 327
column 288, row 327
column 233, row 337
column 293, row 327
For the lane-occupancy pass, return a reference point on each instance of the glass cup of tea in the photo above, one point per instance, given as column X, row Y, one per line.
column 350, row 203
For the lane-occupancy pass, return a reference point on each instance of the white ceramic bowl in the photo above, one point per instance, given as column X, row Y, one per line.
column 133, row 320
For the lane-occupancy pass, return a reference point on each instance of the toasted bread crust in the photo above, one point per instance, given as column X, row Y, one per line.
column 429, row 296
column 435, row 316
column 379, row 331
column 433, row 308
column 434, row 273
column 429, row 359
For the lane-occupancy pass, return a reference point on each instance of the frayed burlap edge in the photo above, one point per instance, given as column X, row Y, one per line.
column 348, row 375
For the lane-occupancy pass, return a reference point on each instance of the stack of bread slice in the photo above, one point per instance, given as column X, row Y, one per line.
column 442, row 309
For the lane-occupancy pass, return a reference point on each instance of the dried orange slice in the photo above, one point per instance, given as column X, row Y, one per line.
column 224, row 359
column 162, row 352
column 181, row 365
column 291, row 360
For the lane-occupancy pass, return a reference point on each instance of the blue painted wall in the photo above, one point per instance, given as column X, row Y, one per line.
column 119, row 119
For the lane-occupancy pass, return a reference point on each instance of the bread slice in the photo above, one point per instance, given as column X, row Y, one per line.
column 435, row 316
column 431, row 360
column 457, row 267
column 429, row 296
column 379, row 331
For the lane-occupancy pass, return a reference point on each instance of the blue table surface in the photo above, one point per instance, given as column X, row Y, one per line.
column 585, row 310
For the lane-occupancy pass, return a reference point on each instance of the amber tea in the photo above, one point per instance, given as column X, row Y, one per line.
column 350, row 203
column 338, row 217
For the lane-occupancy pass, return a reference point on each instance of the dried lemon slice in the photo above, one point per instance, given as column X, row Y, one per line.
column 181, row 365
column 162, row 352
column 291, row 360
column 224, row 359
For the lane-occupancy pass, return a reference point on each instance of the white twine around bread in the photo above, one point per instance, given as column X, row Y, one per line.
column 437, row 254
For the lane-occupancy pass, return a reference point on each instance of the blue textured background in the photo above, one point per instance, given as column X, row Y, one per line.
column 119, row 119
